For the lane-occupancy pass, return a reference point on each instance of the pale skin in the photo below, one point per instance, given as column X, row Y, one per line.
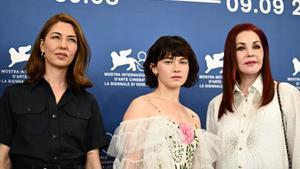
column 59, row 46
column 5, row 162
column 93, row 160
column 172, row 74
column 249, row 55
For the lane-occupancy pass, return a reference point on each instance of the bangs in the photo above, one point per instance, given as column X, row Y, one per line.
column 175, row 50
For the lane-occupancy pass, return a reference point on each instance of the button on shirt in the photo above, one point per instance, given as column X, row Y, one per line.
column 34, row 126
column 252, row 137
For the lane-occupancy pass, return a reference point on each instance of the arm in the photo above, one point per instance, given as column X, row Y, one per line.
column 128, row 141
column 290, row 98
column 95, row 137
column 93, row 160
column 5, row 162
column 6, row 131
column 211, row 122
column 211, row 118
column 208, row 150
column 135, row 110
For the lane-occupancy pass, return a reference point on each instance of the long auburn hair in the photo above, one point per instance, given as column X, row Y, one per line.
column 76, row 70
column 230, row 68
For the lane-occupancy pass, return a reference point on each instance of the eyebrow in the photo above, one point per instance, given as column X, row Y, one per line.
column 257, row 41
column 183, row 58
column 180, row 57
column 74, row 36
column 242, row 43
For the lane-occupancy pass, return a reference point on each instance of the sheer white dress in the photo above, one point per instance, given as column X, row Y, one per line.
column 159, row 143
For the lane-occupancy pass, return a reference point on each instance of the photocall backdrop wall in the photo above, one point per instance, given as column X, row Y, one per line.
column 127, row 28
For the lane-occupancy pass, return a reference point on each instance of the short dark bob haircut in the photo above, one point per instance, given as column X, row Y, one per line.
column 173, row 46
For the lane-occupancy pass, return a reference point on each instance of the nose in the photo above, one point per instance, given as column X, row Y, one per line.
column 63, row 43
column 250, row 53
column 176, row 67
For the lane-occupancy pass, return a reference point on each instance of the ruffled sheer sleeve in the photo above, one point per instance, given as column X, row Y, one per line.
column 207, row 151
column 139, row 144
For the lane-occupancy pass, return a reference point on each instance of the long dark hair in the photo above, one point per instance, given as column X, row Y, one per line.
column 230, row 69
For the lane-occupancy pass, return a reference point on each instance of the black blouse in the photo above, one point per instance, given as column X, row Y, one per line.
column 33, row 125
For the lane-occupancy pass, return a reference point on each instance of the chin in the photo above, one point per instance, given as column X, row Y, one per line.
column 62, row 66
column 175, row 86
column 251, row 71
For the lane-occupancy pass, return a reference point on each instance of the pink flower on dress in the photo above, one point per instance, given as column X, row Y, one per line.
column 187, row 133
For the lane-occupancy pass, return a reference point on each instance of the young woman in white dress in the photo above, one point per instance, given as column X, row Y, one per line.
column 246, row 116
column 158, row 132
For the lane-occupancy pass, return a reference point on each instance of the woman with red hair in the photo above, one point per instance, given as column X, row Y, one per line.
column 247, row 116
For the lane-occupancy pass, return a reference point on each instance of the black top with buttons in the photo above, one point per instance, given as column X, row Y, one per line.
column 33, row 125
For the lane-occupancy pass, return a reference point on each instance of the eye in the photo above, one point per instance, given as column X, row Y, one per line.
column 168, row 62
column 240, row 48
column 55, row 37
column 73, row 40
column 184, row 62
column 256, row 47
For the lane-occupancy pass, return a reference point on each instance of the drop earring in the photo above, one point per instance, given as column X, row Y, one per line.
column 43, row 54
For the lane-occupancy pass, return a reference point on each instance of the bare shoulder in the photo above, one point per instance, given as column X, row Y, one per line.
column 195, row 116
column 137, row 109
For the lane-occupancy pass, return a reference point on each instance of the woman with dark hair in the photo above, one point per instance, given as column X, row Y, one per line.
column 157, row 131
column 50, row 120
column 247, row 116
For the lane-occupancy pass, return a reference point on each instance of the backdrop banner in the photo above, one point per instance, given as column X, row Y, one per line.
column 120, row 32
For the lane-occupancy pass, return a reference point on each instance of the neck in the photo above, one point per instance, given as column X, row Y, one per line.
column 246, row 82
column 56, row 77
column 168, row 94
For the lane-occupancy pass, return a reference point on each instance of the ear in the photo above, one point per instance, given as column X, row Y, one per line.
column 153, row 68
column 42, row 48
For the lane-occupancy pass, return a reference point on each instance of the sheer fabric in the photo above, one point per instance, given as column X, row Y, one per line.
column 158, row 143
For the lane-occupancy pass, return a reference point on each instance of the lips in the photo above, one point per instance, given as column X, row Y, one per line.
column 61, row 55
column 250, row 62
column 176, row 77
